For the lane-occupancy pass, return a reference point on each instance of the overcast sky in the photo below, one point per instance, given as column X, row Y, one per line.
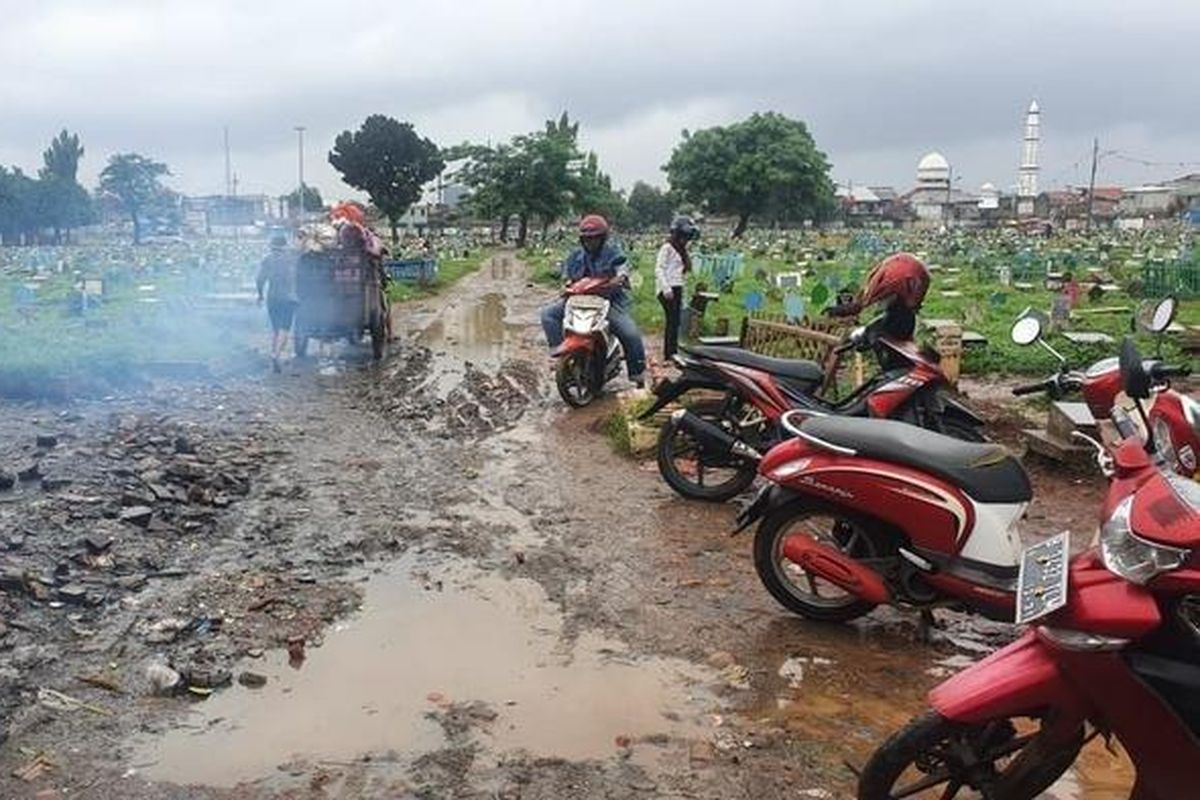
column 879, row 82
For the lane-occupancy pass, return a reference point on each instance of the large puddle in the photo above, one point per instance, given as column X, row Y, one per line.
column 474, row 332
column 424, row 642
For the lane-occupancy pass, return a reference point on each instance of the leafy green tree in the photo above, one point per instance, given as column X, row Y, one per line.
column 766, row 164
column 62, row 203
column 649, row 207
column 133, row 180
column 18, row 205
column 540, row 176
column 312, row 199
column 389, row 161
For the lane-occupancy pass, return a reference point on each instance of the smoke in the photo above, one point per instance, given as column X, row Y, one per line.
column 92, row 319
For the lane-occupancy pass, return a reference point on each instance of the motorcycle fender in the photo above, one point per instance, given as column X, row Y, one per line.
column 817, row 558
column 574, row 343
column 1019, row 679
column 669, row 391
column 769, row 498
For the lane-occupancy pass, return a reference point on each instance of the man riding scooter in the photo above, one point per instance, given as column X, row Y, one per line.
column 596, row 258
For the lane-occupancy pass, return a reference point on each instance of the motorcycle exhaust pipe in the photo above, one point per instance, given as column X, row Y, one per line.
column 713, row 438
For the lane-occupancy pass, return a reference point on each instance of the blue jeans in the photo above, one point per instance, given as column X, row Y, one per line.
column 619, row 322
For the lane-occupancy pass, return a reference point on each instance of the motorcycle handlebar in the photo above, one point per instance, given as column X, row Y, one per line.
column 1033, row 388
column 1168, row 371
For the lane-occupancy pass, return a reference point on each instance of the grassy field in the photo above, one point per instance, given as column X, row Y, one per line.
column 964, row 267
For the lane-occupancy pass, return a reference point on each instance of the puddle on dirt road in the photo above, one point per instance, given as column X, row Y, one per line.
column 423, row 641
column 468, row 331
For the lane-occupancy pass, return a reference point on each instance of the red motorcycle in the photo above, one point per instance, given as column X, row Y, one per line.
column 1173, row 417
column 710, row 451
column 1115, row 652
column 590, row 355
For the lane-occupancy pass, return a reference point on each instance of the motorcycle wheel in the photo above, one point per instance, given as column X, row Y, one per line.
column 674, row 444
column 796, row 590
column 1002, row 759
column 574, row 380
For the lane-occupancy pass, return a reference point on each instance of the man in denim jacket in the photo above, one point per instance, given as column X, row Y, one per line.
column 596, row 258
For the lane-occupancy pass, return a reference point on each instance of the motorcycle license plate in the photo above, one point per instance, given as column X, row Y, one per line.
column 1042, row 581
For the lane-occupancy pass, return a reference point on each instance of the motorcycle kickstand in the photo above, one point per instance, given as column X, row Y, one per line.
column 926, row 624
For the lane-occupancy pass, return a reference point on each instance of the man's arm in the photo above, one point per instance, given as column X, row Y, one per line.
column 261, row 278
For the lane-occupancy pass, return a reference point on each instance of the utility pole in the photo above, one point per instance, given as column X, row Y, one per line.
column 300, row 161
column 228, row 166
column 1092, row 182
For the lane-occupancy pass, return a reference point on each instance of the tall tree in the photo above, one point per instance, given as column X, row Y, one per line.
column 389, row 161
column 649, row 207
column 18, row 206
column 133, row 180
column 61, row 158
column 63, row 204
column 766, row 164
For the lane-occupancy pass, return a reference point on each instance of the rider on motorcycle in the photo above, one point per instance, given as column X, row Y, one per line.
column 596, row 258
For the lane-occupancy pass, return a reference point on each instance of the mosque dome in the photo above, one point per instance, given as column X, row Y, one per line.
column 933, row 169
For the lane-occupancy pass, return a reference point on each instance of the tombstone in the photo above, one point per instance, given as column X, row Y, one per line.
column 819, row 295
column 1004, row 274
column 788, row 280
column 753, row 301
column 793, row 307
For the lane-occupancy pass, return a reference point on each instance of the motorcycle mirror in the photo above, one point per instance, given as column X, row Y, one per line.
column 1163, row 315
column 1134, row 378
column 1026, row 330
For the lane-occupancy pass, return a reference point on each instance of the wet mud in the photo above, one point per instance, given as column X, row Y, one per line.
column 437, row 583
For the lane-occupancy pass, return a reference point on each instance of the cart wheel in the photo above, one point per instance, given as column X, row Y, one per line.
column 300, row 344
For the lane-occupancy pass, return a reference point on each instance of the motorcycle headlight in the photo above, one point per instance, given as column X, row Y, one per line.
column 1134, row 559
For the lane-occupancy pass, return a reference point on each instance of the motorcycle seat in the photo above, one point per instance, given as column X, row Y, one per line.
column 797, row 369
column 986, row 472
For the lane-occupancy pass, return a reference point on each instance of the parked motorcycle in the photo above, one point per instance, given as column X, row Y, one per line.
column 710, row 451
column 860, row 513
column 1115, row 651
column 1174, row 417
column 590, row 355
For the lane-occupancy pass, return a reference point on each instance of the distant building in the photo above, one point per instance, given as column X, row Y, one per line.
column 1027, row 178
column 227, row 214
column 989, row 197
column 1147, row 202
column 930, row 198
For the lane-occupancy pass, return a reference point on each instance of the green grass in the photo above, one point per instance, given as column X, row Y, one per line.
column 450, row 271
column 985, row 306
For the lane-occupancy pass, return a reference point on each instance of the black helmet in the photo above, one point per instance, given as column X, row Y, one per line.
column 685, row 228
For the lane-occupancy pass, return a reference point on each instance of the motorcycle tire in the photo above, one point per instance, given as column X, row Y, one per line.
column 681, row 483
column 1025, row 777
column 574, row 380
column 768, row 540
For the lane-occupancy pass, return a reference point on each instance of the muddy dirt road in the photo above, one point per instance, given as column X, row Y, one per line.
column 423, row 579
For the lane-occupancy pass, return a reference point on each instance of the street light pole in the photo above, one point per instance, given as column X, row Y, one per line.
column 300, row 171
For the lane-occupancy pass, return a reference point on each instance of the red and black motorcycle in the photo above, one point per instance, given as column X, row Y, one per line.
column 710, row 450
column 1173, row 417
column 1115, row 652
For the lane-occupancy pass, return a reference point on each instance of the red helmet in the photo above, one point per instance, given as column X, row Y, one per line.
column 902, row 277
column 593, row 225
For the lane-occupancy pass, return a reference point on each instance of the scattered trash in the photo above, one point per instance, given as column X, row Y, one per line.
column 56, row 700
column 101, row 682
column 252, row 680
column 295, row 648
column 163, row 679
column 35, row 768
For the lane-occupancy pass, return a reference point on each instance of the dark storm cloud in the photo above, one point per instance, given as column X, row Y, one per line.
column 879, row 82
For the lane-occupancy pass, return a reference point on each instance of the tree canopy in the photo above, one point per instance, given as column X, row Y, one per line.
column 389, row 161
column 649, row 207
column 133, row 180
column 62, row 203
column 541, row 176
column 767, row 165
column 312, row 199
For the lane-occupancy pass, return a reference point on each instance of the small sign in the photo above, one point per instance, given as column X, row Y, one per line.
column 1042, row 580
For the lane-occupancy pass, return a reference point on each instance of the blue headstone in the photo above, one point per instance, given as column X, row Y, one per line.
column 793, row 307
column 753, row 301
